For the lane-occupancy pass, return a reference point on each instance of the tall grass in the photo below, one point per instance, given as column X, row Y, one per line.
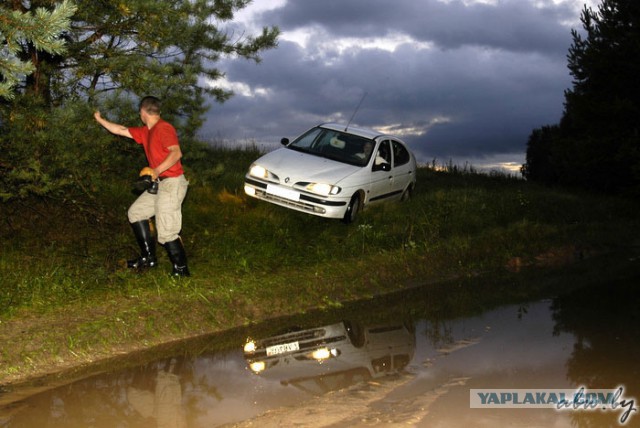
column 458, row 218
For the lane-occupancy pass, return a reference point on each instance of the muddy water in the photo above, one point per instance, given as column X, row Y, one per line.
column 412, row 360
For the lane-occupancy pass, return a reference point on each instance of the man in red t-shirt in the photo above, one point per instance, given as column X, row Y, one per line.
column 160, row 142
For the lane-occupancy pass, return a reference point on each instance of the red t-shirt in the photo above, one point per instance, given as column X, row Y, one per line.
column 156, row 142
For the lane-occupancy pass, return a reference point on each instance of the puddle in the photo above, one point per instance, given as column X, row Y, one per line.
column 409, row 360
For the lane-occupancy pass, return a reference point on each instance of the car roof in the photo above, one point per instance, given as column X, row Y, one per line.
column 362, row 132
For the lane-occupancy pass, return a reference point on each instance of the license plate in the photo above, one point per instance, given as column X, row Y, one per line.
column 281, row 349
column 283, row 193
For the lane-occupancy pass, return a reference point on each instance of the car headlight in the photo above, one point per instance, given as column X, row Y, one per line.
column 322, row 189
column 322, row 354
column 261, row 172
column 257, row 366
column 250, row 347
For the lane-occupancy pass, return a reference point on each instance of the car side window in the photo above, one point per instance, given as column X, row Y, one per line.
column 384, row 153
column 400, row 154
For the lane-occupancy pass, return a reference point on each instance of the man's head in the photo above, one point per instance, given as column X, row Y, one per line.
column 150, row 106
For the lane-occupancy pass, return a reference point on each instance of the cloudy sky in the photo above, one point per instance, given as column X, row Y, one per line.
column 459, row 80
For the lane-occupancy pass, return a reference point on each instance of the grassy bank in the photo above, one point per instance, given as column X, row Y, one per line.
column 66, row 298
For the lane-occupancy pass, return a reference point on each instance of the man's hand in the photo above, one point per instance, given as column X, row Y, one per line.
column 147, row 170
column 114, row 128
column 174, row 156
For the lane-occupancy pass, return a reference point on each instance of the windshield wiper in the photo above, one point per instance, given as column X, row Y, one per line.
column 299, row 149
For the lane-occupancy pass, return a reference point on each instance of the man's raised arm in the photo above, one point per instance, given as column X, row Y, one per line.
column 114, row 128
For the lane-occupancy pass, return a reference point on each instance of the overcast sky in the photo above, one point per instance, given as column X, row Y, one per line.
column 459, row 80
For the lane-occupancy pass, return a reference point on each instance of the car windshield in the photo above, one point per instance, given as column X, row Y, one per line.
column 335, row 145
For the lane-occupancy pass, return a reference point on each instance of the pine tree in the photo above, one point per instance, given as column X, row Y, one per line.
column 597, row 144
column 37, row 32
column 603, row 107
column 604, row 64
column 168, row 48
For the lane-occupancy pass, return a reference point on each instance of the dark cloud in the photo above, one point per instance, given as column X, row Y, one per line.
column 516, row 25
column 468, row 81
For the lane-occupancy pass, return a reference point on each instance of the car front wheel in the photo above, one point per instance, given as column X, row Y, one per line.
column 355, row 205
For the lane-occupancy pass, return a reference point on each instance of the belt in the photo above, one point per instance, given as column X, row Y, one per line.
column 162, row 178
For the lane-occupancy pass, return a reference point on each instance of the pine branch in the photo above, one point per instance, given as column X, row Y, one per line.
column 42, row 29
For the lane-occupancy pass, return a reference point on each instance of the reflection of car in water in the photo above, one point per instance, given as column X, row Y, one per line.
column 330, row 357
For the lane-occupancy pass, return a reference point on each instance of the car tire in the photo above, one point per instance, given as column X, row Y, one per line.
column 353, row 209
column 356, row 333
column 407, row 194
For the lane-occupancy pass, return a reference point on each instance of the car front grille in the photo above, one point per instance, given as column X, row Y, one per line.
column 283, row 201
column 296, row 336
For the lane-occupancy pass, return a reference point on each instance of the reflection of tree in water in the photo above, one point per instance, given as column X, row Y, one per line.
column 439, row 333
column 607, row 350
column 157, row 394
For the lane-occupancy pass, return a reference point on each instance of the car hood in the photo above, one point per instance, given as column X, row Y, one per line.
column 298, row 166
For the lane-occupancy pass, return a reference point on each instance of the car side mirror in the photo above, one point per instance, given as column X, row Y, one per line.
column 284, row 141
column 382, row 167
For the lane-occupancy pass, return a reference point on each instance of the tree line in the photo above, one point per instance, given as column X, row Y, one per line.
column 596, row 144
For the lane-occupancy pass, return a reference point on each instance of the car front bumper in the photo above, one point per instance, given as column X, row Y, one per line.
column 294, row 199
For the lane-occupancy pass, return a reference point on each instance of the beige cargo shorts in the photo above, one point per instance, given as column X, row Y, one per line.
column 166, row 206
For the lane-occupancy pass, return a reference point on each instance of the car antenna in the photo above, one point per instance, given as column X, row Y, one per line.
column 355, row 111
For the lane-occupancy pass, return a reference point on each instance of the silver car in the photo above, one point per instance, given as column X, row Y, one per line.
column 334, row 171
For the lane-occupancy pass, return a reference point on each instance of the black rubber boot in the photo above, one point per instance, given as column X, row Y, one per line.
column 176, row 253
column 147, row 243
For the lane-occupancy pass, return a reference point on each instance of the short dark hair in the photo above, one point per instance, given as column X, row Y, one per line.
column 151, row 105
